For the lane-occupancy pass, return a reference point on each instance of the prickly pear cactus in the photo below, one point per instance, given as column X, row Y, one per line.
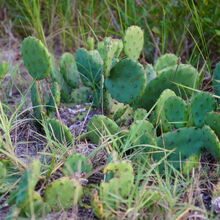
column 68, row 69
column 176, row 111
column 77, row 163
column 216, row 81
column 140, row 114
column 36, row 102
column 133, row 42
column 159, row 114
column 26, row 187
column 190, row 163
column 119, row 186
column 201, row 104
column 59, row 131
column 212, row 119
column 90, row 43
column 63, row 193
column 54, row 99
column 89, row 66
column 150, row 71
column 38, row 205
column 127, row 81
column 81, row 95
column 187, row 142
column 4, row 67
column 165, row 61
column 100, row 126
column 142, row 132
column 176, row 78
column 36, row 58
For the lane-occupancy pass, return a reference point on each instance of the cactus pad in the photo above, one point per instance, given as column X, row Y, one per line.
column 151, row 73
column 133, row 42
column 100, row 126
column 36, row 58
column 165, row 61
column 182, row 74
column 77, row 163
column 126, row 82
column 81, row 95
column 59, row 131
column 68, row 69
column 201, row 104
column 212, row 119
column 187, row 142
column 140, row 114
column 176, row 111
column 216, row 81
column 89, row 66
column 4, row 67
column 63, row 193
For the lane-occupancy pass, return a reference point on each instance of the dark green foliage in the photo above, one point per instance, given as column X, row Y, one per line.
column 176, row 111
column 212, row 119
column 68, row 69
column 201, row 104
column 63, row 193
column 89, row 66
column 100, row 126
column 187, row 142
column 216, row 81
column 165, row 61
column 81, row 95
column 133, row 42
column 182, row 74
column 59, row 132
column 36, row 58
column 4, row 67
column 36, row 101
column 77, row 163
column 127, row 80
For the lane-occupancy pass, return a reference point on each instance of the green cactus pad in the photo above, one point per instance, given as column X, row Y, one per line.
column 151, row 73
column 28, row 183
column 36, row 102
column 39, row 207
column 89, row 66
column 187, row 142
column 176, row 111
column 159, row 114
column 216, row 81
column 54, row 99
column 63, row 193
column 140, row 114
column 182, row 74
column 191, row 163
column 133, row 42
column 100, row 126
column 165, row 61
column 4, row 68
column 90, row 43
column 201, row 104
column 126, row 118
column 126, row 82
column 36, row 58
column 142, row 132
column 68, row 69
column 59, row 131
column 212, row 119
column 77, row 163
column 81, row 95
column 118, row 186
